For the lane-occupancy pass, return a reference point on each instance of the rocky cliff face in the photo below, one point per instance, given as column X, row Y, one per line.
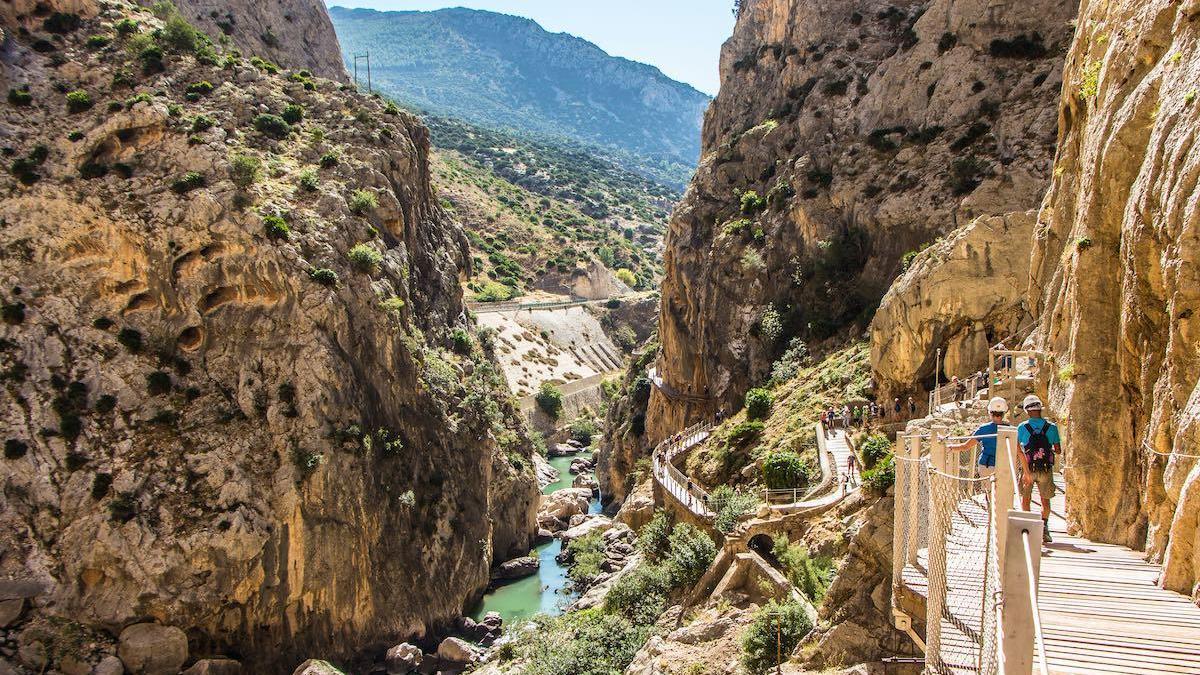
column 846, row 134
column 961, row 295
column 1115, row 268
column 229, row 397
column 296, row 34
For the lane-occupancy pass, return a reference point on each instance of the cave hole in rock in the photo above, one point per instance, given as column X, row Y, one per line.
column 190, row 339
column 221, row 296
column 138, row 302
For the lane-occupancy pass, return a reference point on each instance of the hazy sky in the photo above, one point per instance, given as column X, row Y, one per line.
column 682, row 37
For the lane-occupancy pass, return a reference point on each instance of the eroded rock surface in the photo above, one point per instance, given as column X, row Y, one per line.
column 213, row 418
column 863, row 131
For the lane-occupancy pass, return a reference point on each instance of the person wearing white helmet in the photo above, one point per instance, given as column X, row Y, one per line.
column 985, row 438
column 1040, row 443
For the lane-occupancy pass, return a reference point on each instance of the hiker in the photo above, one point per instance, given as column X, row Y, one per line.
column 912, row 408
column 1040, row 443
column 846, row 417
column 985, row 439
column 960, row 391
column 1005, row 361
column 852, row 469
column 897, row 408
column 825, row 423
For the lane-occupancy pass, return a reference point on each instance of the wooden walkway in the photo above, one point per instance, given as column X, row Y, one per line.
column 1103, row 612
column 1101, row 608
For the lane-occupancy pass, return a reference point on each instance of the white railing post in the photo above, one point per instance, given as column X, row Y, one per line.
column 1007, row 466
column 902, row 517
column 939, row 526
column 914, row 499
column 1017, row 627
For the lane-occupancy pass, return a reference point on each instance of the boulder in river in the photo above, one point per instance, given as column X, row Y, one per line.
column 586, row 481
column 456, row 650
column 563, row 504
column 546, row 474
column 215, row 667
column 316, row 667
column 517, row 568
column 595, row 523
column 562, row 450
column 403, row 659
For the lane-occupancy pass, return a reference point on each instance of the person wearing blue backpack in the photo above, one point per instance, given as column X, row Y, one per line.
column 1040, row 443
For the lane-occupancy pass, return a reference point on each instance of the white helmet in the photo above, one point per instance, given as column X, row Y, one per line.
column 1032, row 402
column 998, row 405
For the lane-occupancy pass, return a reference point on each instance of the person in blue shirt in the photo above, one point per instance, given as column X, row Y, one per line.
column 1040, row 444
column 985, row 438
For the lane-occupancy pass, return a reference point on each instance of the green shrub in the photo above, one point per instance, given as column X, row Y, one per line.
column 202, row 88
column 874, row 448
column 790, row 363
column 189, row 181
column 810, row 575
column 461, row 341
column 244, row 170
column 758, row 403
column 550, row 399
column 151, row 57
column 393, row 306
column 202, row 123
column 273, row 126
column 640, row 594
column 293, row 113
column 583, row 429
column 773, row 635
column 391, row 108
column 306, row 460
column 744, row 432
column 61, row 23
column 75, row 136
column 323, row 276
column 277, row 228
column 363, row 202
column 130, row 339
column 20, row 97
column 126, row 27
column 180, row 37
column 877, row 480
column 586, row 554
column 158, row 383
column 783, row 469
column 365, row 258
column 308, row 180
column 590, row 642
column 329, row 160
column 729, row 505
column 98, row 41
column 752, row 203
column 770, row 325
column 492, row 291
column 655, row 536
column 78, row 101
column 690, row 552
column 627, row 277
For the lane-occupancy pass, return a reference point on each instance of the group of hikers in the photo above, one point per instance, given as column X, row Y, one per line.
column 862, row 415
column 1039, row 442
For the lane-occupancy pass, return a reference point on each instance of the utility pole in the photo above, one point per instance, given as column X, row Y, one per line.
column 367, row 57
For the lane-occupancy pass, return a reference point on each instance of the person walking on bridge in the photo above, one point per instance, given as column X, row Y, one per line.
column 1040, row 443
column 985, row 439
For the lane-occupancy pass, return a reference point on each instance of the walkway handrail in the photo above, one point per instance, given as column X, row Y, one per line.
column 1031, row 573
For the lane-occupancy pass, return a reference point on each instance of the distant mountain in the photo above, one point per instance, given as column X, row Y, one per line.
column 507, row 72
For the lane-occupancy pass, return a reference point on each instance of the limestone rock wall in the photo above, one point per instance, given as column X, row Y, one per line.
column 866, row 129
column 1115, row 278
column 961, row 295
column 296, row 34
column 202, row 429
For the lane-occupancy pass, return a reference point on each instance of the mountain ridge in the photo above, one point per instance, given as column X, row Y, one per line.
column 508, row 72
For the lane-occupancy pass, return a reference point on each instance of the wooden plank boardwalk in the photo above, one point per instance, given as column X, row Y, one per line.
column 1101, row 608
column 1103, row 612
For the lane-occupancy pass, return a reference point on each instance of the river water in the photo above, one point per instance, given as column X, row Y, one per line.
column 544, row 592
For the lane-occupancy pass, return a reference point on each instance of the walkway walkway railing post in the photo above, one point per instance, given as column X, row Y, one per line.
column 914, row 498
column 1007, row 468
column 1017, row 622
column 903, row 518
column 939, row 525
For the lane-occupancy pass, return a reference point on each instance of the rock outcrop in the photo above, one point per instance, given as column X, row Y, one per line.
column 230, row 403
column 296, row 34
column 1115, row 278
column 961, row 295
column 845, row 135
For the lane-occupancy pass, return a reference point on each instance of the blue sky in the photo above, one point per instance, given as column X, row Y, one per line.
column 681, row 37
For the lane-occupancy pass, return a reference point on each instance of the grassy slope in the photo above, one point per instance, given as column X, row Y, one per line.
column 517, row 234
column 840, row 376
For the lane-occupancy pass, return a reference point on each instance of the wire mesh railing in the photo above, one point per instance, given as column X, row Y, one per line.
column 951, row 529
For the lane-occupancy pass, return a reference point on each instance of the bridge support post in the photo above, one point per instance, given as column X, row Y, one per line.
column 1017, row 633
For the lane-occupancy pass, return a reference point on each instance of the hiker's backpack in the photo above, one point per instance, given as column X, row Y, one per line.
column 1038, row 449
